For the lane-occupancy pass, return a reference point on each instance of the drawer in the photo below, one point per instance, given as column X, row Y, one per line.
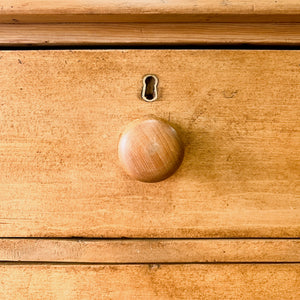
column 62, row 114
column 214, row 281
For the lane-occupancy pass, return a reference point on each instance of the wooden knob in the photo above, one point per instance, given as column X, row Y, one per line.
column 150, row 150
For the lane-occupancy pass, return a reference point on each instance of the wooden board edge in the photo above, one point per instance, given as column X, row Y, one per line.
column 150, row 251
column 149, row 34
column 21, row 11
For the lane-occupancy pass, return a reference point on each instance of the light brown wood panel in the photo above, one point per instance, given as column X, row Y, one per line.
column 149, row 251
column 202, row 281
column 44, row 11
column 62, row 113
column 149, row 34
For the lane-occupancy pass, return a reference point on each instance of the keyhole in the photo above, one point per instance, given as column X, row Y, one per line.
column 149, row 92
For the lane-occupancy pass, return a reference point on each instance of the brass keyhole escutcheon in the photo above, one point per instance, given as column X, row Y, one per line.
column 149, row 91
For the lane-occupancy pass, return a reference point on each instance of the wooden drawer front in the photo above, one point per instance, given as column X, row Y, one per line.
column 193, row 281
column 62, row 113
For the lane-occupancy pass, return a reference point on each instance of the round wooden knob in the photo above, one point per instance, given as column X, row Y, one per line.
column 150, row 150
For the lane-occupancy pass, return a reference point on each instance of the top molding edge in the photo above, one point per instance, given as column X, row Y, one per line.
column 85, row 11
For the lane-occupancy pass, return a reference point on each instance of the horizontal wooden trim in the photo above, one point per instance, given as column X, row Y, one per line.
column 149, row 34
column 149, row 251
column 36, row 11
column 192, row 281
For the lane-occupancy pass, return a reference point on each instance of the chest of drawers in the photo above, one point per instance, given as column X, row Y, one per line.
column 73, row 224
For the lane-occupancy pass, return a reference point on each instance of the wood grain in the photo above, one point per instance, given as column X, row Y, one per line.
column 150, row 149
column 149, row 251
column 37, row 11
column 149, row 34
column 62, row 113
column 200, row 281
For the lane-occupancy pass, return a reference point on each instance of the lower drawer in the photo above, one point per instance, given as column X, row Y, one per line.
column 61, row 116
column 189, row 281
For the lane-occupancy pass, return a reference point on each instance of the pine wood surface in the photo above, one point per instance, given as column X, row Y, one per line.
column 45, row 11
column 150, row 251
column 165, row 22
column 189, row 281
column 62, row 113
